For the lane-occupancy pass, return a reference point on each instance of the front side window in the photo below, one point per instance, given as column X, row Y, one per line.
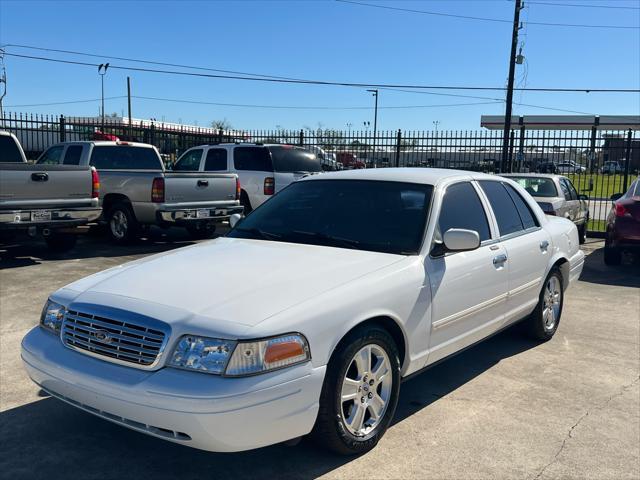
column 189, row 162
column 121, row 157
column 461, row 208
column 565, row 189
column 573, row 194
column 51, row 156
column 72, row 155
column 378, row 216
column 256, row 159
column 216, row 160
column 503, row 207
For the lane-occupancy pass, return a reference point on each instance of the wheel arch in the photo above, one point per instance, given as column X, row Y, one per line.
column 111, row 199
column 562, row 264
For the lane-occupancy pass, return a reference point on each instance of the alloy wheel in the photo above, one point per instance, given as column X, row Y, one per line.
column 552, row 303
column 119, row 224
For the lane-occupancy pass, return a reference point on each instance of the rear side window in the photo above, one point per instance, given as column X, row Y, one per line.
column 565, row 189
column 72, row 155
column 120, row 157
column 51, row 156
column 526, row 215
column 9, row 151
column 290, row 159
column 461, row 208
column 216, row 160
column 572, row 191
column 503, row 207
column 189, row 162
column 252, row 158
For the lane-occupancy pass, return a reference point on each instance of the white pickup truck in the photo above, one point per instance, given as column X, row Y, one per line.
column 48, row 200
column 136, row 190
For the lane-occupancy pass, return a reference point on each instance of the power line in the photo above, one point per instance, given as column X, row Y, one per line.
column 69, row 102
column 582, row 5
column 485, row 19
column 327, row 83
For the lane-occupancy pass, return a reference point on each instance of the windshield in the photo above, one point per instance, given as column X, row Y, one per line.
column 537, row 186
column 378, row 216
column 288, row 159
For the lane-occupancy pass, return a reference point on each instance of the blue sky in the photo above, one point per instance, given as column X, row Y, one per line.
column 324, row 40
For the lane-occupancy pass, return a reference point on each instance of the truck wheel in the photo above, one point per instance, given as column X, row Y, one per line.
column 201, row 231
column 244, row 201
column 543, row 322
column 360, row 392
column 61, row 242
column 122, row 224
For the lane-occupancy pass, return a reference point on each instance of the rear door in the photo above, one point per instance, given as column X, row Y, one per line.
column 292, row 163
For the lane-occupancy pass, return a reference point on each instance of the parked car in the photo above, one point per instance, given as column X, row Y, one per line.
column 51, row 201
column 350, row 161
column 263, row 169
column 547, row 167
column 611, row 168
column 569, row 167
column 623, row 225
column 327, row 159
column 322, row 300
column 137, row 191
column 557, row 196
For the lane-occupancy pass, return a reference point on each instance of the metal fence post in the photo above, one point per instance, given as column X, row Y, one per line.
column 301, row 138
column 521, row 145
column 510, row 158
column 627, row 161
column 220, row 135
column 398, row 144
column 62, row 129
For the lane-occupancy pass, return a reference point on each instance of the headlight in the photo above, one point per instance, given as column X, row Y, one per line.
column 226, row 357
column 52, row 316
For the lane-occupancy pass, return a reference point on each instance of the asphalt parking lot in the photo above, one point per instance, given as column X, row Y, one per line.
column 507, row 408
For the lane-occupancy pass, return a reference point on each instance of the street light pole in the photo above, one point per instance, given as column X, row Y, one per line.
column 512, row 69
column 102, row 70
column 374, row 92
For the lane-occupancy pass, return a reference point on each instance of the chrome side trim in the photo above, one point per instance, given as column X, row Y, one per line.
column 469, row 311
column 526, row 286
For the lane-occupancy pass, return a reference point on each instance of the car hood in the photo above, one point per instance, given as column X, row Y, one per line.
column 227, row 280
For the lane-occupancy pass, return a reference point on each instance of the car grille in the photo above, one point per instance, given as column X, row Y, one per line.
column 123, row 341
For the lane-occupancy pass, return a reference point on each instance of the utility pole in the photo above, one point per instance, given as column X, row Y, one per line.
column 129, row 106
column 374, row 92
column 102, row 70
column 512, row 71
column 3, row 85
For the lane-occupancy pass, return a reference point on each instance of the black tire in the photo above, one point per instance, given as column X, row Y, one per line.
column 201, row 230
column 121, row 223
column 582, row 233
column 61, row 242
column 245, row 202
column 331, row 429
column 537, row 325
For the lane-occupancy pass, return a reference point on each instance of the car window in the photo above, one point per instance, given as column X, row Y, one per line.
column 252, row 158
column 388, row 217
column 526, row 215
column 189, row 162
column 503, row 207
column 634, row 190
column 572, row 190
column 9, row 151
column 537, row 186
column 568, row 190
column 72, row 155
column 290, row 159
column 216, row 160
column 121, row 157
column 51, row 156
column 461, row 208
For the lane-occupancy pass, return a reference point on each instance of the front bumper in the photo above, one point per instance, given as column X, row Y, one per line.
column 67, row 217
column 192, row 215
column 203, row 411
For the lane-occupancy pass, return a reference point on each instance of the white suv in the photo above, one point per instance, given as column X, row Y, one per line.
column 263, row 170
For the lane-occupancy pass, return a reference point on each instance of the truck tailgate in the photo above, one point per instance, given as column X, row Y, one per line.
column 24, row 185
column 199, row 188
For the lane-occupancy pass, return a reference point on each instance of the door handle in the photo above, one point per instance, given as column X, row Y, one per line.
column 39, row 177
column 499, row 259
column 544, row 245
column 203, row 183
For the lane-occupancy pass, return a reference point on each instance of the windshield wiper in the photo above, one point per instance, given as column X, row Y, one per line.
column 333, row 241
column 260, row 233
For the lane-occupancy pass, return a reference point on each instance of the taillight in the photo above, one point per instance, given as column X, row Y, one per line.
column 157, row 190
column 269, row 186
column 621, row 211
column 95, row 183
column 238, row 189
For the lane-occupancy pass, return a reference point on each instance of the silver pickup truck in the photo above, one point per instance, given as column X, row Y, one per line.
column 50, row 200
column 136, row 190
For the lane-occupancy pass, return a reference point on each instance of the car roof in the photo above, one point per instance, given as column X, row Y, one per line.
column 430, row 176
column 533, row 175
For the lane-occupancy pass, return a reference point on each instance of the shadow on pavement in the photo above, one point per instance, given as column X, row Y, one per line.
column 625, row 275
column 49, row 439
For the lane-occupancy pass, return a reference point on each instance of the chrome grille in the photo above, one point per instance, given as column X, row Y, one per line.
column 122, row 341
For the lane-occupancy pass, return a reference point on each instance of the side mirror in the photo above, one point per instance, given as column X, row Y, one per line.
column 235, row 219
column 616, row 196
column 583, row 197
column 460, row 240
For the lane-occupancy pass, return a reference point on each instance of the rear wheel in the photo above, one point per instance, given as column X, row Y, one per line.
column 122, row 223
column 201, row 230
column 245, row 202
column 543, row 322
column 582, row 233
column 612, row 255
column 360, row 392
column 61, row 242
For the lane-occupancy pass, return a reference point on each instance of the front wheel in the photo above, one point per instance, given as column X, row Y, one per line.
column 360, row 392
column 544, row 320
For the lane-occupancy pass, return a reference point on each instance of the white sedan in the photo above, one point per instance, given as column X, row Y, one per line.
column 307, row 315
